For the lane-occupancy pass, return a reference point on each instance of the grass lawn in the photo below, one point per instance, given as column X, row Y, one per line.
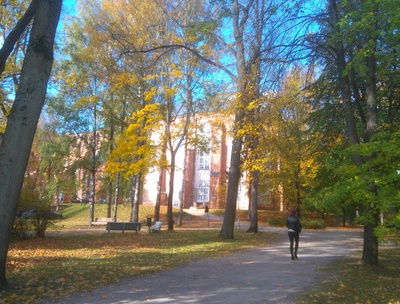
column 64, row 262
column 353, row 283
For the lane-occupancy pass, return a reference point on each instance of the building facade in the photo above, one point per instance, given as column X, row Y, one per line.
column 201, row 175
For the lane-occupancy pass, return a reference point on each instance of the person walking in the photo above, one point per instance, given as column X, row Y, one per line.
column 206, row 210
column 294, row 228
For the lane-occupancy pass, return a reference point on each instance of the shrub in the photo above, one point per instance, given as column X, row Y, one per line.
column 277, row 221
column 33, row 220
column 313, row 224
column 393, row 222
column 21, row 228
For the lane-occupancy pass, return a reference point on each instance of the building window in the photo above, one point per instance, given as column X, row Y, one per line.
column 204, row 162
column 203, row 192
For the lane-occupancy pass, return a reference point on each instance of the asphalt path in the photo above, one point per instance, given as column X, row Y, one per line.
column 261, row 275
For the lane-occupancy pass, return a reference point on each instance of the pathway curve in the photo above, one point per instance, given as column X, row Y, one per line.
column 261, row 275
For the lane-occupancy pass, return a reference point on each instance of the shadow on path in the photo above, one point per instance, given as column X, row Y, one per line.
column 261, row 275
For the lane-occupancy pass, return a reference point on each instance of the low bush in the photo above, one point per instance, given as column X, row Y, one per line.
column 393, row 222
column 313, row 224
column 33, row 222
column 21, row 228
column 277, row 221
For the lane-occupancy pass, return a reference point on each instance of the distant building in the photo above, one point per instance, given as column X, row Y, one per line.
column 200, row 176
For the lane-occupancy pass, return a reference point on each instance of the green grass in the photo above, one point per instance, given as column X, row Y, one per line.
column 348, row 281
column 55, row 266
column 77, row 214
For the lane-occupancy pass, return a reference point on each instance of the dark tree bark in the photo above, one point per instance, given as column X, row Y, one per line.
column 18, row 137
column 254, row 202
column 15, row 34
column 240, row 16
column 228, row 223
column 370, row 248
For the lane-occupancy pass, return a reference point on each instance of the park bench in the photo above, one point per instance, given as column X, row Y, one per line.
column 123, row 226
column 102, row 220
column 157, row 226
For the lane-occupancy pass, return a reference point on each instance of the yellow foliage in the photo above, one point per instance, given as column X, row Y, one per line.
column 169, row 92
column 135, row 151
column 149, row 95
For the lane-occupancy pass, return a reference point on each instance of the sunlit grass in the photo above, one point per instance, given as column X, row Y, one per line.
column 348, row 281
column 56, row 266
column 61, row 263
column 77, row 216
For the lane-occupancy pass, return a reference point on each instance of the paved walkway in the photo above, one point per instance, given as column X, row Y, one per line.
column 262, row 275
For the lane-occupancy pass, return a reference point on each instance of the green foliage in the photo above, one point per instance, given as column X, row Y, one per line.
column 349, row 186
column 393, row 222
column 34, row 225
column 21, row 228
column 390, row 229
column 313, row 224
column 277, row 221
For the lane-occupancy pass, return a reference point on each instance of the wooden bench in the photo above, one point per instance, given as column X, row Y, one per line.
column 123, row 226
column 157, row 226
column 102, row 220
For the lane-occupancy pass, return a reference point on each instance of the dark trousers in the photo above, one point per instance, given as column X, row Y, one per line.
column 294, row 240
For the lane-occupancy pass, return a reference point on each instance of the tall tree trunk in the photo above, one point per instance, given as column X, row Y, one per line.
column 254, row 202
column 370, row 248
column 370, row 255
column 116, row 195
column 160, row 184
column 158, row 199
column 93, row 168
column 22, row 122
column 228, row 224
column 109, row 198
column 110, row 183
column 182, row 193
column 255, row 80
column 170, row 217
column 135, row 198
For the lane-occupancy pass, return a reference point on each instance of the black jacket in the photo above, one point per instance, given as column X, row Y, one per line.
column 293, row 223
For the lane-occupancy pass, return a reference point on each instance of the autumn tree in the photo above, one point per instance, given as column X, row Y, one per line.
column 135, row 152
column 290, row 167
column 258, row 37
column 81, row 83
column 175, row 73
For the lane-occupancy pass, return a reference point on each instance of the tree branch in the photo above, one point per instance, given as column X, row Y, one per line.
column 15, row 34
column 194, row 52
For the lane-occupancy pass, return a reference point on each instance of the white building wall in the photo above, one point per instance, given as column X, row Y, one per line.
column 151, row 180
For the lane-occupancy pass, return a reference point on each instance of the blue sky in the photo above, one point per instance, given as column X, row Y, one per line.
column 69, row 5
